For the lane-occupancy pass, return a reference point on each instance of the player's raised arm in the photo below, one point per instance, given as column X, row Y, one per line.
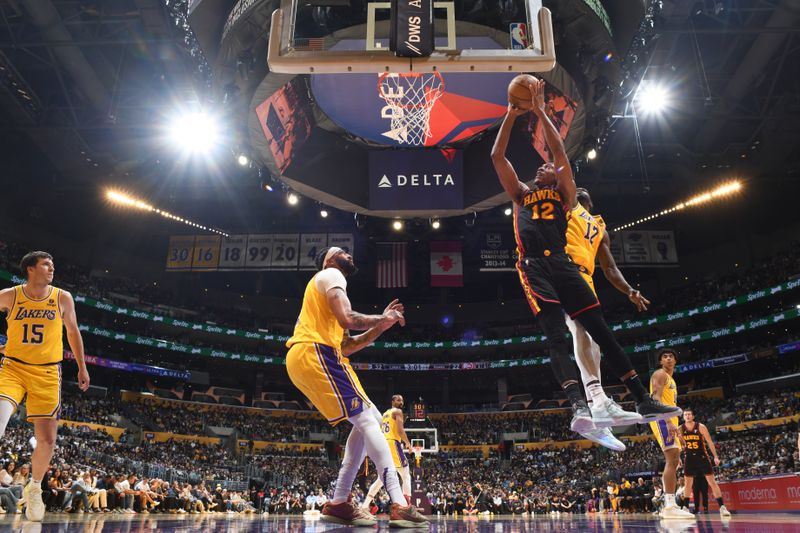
column 350, row 319
column 615, row 277
column 505, row 170
column 353, row 344
column 74, row 337
column 566, row 182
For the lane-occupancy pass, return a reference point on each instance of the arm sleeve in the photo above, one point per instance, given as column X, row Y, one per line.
column 328, row 279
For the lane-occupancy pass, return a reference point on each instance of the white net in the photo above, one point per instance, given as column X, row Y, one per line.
column 409, row 98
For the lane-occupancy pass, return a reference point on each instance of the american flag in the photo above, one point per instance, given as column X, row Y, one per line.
column 392, row 268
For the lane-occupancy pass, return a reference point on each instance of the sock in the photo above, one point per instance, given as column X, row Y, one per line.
column 596, row 393
column 634, row 385
column 368, row 424
column 719, row 501
column 354, row 452
column 574, row 393
column 669, row 500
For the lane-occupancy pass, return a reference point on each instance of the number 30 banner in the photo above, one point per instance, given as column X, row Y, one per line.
column 283, row 251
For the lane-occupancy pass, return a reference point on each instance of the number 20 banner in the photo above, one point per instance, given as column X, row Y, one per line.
column 282, row 251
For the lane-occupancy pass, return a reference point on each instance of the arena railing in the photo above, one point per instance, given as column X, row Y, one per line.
column 626, row 325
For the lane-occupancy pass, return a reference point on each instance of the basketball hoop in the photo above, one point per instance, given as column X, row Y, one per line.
column 417, row 454
column 410, row 96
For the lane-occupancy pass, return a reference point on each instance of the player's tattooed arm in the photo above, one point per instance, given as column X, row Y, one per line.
column 350, row 319
column 393, row 313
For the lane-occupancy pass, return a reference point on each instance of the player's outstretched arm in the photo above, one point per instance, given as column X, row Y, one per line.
column 615, row 277
column 353, row 344
column 505, row 170
column 74, row 337
column 566, row 182
column 350, row 319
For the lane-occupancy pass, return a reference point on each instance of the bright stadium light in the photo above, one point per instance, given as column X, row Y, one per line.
column 397, row 225
column 323, row 213
column 292, row 198
column 723, row 190
column 591, row 154
column 194, row 132
column 243, row 160
column 507, row 211
column 126, row 200
column 435, row 223
column 652, row 98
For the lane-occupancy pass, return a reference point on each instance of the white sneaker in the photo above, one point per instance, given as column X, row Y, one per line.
column 34, row 509
column 723, row 511
column 675, row 512
column 609, row 413
column 604, row 437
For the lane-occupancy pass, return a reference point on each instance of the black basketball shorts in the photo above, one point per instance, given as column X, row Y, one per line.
column 555, row 279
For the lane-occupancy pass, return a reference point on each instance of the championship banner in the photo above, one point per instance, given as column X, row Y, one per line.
column 773, row 493
column 233, row 252
column 206, row 252
column 498, row 252
column 447, row 267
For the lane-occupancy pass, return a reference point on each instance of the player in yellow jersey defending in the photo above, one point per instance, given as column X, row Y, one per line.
column 663, row 388
column 318, row 364
column 395, row 435
column 588, row 239
column 30, row 368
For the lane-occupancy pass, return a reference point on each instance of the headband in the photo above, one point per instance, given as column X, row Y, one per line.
column 333, row 250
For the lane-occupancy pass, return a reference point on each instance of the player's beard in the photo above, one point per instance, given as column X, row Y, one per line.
column 347, row 268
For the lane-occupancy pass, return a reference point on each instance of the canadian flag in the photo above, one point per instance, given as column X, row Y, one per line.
column 447, row 269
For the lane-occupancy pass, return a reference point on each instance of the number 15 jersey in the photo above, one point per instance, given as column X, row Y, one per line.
column 35, row 328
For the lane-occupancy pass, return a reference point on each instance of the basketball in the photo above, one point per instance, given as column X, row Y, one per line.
column 519, row 93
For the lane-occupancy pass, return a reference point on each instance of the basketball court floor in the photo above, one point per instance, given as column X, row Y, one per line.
column 712, row 523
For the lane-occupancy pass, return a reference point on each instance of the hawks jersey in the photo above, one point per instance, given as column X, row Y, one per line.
column 317, row 323
column 389, row 426
column 584, row 234
column 35, row 328
column 540, row 223
column 695, row 443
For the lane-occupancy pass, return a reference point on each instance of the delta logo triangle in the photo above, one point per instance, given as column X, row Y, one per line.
column 384, row 182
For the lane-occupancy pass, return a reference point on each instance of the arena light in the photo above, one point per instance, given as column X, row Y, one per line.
column 126, row 200
column 397, row 225
column 323, row 213
column 243, row 160
column 507, row 211
column 591, row 154
column 435, row 223
column 722, row 191
column 194, row 131
column 292, row 198
column 652, row 98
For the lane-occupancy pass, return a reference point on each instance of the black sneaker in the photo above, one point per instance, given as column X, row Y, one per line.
column 581, row 418
column 653, row 410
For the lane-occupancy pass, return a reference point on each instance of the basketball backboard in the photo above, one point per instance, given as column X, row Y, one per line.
column 467, row 38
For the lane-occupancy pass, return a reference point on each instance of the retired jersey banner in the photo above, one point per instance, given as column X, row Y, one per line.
column 447, row 267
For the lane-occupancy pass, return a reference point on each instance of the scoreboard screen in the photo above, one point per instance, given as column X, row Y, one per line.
column 418, row 410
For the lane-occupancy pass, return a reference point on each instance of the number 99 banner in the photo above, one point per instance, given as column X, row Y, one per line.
column 284, row 251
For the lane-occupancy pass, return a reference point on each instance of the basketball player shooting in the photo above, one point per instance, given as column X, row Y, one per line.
column 318, row 364
column 549, row 278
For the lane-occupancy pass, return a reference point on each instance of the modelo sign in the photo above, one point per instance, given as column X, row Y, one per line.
column 415, row 180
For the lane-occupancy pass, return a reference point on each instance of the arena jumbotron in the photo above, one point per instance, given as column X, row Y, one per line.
column 436, row 265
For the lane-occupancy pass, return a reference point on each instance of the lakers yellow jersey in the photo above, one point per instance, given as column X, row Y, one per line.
column 584, row 234
column 316, row 322
column 669, row 396
column 35, row 328
column 389, row 426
